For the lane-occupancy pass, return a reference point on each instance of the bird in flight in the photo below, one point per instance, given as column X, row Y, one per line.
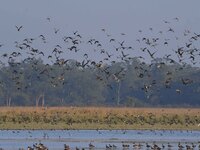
column 56, row 30
column 177, row 19
column 49, row 19
column 178, row 91
column 166, row 21
column 171, row 30
column 151, row 54
column 1, row 45
column 19, row 28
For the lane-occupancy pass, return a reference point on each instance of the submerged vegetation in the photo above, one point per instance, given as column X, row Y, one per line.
column 98, row 118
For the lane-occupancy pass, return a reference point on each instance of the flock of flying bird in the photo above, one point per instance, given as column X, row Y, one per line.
column 30, row 48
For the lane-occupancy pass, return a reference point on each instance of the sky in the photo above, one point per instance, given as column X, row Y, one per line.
column 90, row 16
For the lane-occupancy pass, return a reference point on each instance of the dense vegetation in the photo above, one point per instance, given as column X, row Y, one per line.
column 127, row 83
column 98, row 118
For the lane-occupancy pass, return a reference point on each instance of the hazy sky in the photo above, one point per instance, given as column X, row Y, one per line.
column 90, row 16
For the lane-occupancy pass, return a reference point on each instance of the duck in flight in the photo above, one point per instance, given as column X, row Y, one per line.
column 19, row 28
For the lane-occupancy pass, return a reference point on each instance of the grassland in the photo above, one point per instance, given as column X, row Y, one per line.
column 99, row 118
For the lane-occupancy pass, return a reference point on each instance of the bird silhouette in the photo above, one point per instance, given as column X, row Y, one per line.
column 48, row 18
column 176, row 18
column 171, row 30
column 56, row 30
column 19, row 28
column 151, row 54
column 1, row 45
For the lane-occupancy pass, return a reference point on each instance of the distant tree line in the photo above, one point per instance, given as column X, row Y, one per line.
column 131, row 83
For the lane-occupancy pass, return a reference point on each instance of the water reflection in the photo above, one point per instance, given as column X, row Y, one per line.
column 101, row 139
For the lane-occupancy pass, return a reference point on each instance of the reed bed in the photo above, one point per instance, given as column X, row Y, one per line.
column 98, row 118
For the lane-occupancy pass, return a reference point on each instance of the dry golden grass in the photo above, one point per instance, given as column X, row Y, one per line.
column 98, row 117
column 102, row 110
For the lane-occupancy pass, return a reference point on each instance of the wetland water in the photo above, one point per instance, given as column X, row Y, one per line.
column 55, row 139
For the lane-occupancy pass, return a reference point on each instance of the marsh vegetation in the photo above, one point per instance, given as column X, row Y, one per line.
column 98, row 118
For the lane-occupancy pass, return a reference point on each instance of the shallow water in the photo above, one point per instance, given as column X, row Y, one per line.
column 55, row 139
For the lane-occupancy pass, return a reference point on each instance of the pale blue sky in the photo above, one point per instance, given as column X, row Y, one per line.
column 123, row 15
column 90, row 16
